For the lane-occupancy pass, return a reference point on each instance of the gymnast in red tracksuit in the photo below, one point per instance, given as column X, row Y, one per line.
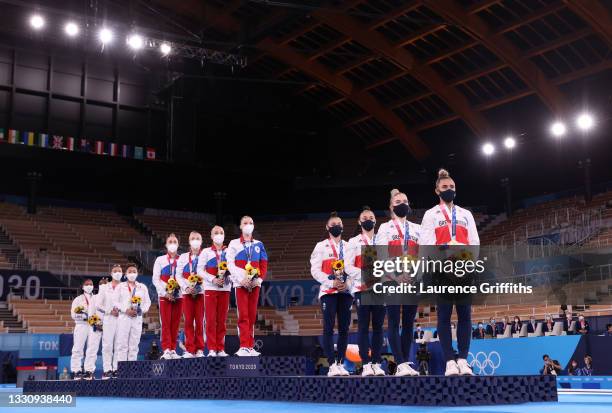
column 217, row 286
column 247, row 262
column 449, row 224
column 193, row 297
column 170, row 305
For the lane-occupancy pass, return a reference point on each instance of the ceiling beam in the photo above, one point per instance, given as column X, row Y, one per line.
column 595, row 14
column 505, row 50
column 365, row 101
column 405, row 60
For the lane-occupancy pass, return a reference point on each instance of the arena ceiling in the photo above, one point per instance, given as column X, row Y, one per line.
column 389, row 70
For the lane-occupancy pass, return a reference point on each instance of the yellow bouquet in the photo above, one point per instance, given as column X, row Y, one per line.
column 221, row 269
column 251, row 271
column 195, row 282
column 79, row 309
column 172, row 288
column 95, row 322
column 136, row 301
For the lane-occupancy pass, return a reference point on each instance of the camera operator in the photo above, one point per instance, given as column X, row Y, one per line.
column 423, row 356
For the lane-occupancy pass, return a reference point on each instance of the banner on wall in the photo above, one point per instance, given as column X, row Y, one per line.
column 27, row 284
column 281, row 294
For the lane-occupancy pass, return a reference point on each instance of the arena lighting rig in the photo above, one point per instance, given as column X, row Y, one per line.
column 138, row 42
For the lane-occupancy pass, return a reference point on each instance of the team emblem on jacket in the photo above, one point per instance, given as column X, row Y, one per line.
column 257, row 249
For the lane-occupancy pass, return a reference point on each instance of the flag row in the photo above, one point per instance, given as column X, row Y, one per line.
column 43, row 140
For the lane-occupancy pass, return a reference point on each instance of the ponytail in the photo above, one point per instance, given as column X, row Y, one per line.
column 442, row 174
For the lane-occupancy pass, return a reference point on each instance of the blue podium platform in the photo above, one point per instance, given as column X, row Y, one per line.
column 274, row 379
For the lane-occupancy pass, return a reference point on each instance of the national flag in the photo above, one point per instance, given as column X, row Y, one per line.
column 138, row 152
column 84, row 145
column 99, row 147
column 70, row 143
column 24, row 137
column 43, row 140
column 31, row 141
column 58, row 142
column 125, row 151
column 113, row 149
column 151, row 154
column 12, row 138
column 1, row 134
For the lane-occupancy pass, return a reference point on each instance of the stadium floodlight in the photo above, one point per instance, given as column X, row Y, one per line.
column 558, row 129
column 105, row 35
column 71, row 29
column 165, row 49
column 509, row 142
column 37, row 22
column 135, row 41
column 585, row 122
column 488, row 149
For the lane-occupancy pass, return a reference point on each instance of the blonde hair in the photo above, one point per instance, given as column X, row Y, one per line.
column 442, row 174
column 395, row 192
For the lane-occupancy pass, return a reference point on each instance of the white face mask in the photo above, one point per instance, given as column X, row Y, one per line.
column 195, row 243
column 218, row 238
column 88, row 288
column 117, row 275
column 172, row 247
column 131, row 276
column 247, row 229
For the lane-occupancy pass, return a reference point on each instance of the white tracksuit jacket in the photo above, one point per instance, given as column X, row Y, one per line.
column 130, row 328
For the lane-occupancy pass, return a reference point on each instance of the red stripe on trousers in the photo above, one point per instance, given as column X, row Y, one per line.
column 217, row 304
column 247, row 315
column 170, row 314
column 193, row 310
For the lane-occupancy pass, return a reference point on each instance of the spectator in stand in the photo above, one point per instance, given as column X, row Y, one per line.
column 492, row 328
column 608, row 331
column 531, row 327
column 587, row 370
column 583, row 325
column 504, row 324
column 550, row 366
column 573, row 369
column 480, row 332
column 65, row 375
column 419, row 333
column 517, row 325
column 548, row 324
column 154, row 353
column 567, row 324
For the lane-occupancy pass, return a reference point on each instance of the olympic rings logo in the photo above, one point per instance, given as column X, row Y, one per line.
column 484, row 364
column 258, row 345
column 157, row 369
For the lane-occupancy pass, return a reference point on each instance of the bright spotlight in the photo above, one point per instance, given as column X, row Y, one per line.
column 558, row 129
column 71, row 29
column 509, row 142
column 488, row 149
column 585, row 121
column 105, row 35
column 135, row 41
column 165, row 49
column 37, row 22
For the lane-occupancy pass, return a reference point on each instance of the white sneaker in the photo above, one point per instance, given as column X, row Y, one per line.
column 243, row 352
column 167, row 355
column 342, row 370
column 378, row 371
column 367, row 370
column 404, row 369
column 452, row 369
column 221, row 354
column 254, row 352
column 173, row 355
column 199, row 353
column 464, row 367
column 333, row 371
column 212, row 353
column 188, row 355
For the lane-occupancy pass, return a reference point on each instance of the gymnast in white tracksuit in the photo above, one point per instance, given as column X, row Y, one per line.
column 84, row 333
column 130, row 317
column 109, row 306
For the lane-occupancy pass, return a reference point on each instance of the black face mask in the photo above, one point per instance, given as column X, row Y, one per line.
column 401, row 210
column 448, row 195
column 368, row 225
column 335, row 231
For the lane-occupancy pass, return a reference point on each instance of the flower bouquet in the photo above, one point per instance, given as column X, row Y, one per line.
column 81, row 310
column 136, row 301
column 195, row 282
column 172, row 288
column 251, row 272
column 95, row 322
column 221, row 269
